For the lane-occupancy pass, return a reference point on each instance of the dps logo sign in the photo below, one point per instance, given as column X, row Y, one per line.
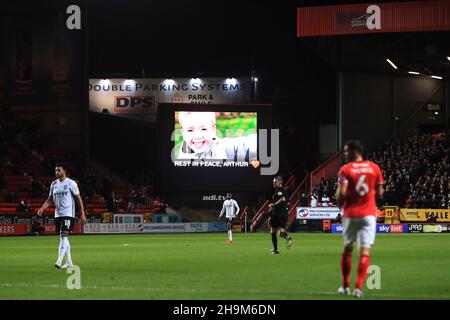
column 134, row 104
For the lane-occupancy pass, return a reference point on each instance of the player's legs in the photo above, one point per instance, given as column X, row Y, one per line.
column 350, row 233
column 62, row 249
column 230, row 232
column 273, row 232
column 366, row 238
column 285, row 235
column 64, row 225
column 69, row 262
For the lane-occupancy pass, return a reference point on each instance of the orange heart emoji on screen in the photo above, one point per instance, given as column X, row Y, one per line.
column 255, row 164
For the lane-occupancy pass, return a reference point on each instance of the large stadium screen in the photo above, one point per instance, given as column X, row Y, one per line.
column 215, row 139
column 211, row 147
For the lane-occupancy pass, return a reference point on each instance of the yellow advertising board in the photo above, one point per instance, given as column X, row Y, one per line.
column 422, row 215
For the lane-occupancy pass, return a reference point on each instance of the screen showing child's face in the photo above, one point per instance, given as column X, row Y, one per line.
column 198, row 130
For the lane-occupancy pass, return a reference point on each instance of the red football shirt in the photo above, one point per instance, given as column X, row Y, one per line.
column 362, row 177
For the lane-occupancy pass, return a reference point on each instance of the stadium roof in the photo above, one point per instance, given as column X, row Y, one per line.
column 423, row 52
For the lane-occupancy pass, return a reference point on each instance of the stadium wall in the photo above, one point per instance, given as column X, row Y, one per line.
column 376, row 108
column 43, row 69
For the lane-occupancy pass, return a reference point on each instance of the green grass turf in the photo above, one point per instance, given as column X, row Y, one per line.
column 203, row 266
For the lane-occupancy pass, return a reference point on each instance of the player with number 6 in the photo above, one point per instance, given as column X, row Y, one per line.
column 360, row 181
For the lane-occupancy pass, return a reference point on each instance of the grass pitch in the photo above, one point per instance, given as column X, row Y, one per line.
column 203, row 266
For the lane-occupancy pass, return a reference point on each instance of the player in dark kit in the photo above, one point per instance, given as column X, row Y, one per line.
column 279, row 210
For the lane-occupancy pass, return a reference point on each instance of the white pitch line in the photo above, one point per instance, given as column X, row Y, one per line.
column 155, row 289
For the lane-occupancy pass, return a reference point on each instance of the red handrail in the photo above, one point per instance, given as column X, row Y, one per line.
column 243, row 216
column 290, row 183
column 327, row 169
column 260, row 211
column 244, row 213
column 295, row 195
column 292, row 214
column 257, row 218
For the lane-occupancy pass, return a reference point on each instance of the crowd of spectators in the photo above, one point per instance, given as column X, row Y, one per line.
column 323, row 193
column 416, row 172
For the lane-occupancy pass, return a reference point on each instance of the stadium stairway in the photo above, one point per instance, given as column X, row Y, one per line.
column 326, row 170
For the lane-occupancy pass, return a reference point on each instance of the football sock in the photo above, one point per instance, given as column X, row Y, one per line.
column 274, row 241
column 346, row 267
column 284, row 235
column 68, row 255
column 230, row 235
column 364, row 262
column 62, row 247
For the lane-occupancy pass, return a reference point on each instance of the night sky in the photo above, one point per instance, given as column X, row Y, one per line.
column 187, row 38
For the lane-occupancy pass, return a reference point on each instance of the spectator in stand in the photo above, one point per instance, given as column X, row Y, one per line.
column 303, row 200
column 325, row 200
column 314, row 199
column 163, row 206
column 157, row 205
column 139, row 198
column 132, row 202
column 37, row 229
column 24, row 206
column 110, row 203
column 409, row 202
column 117, row 202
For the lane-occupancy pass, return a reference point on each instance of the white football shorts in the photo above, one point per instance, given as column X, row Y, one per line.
column 360, row 230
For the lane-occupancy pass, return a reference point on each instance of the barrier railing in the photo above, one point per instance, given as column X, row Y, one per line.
column 259, row 216
column 295, row 196
column 290, row 183
column 243, row 219
column 292, row 214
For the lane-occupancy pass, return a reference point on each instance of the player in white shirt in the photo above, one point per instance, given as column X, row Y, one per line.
column 63, row 194
column 231, row 209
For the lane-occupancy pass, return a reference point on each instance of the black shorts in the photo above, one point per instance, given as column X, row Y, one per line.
column 278, row 220
column 229, row 220
column 64, row 224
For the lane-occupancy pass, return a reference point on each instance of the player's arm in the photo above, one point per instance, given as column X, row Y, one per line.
column 76, row 194
column 222, row 211
column 379, row 190
column 342, row 187
column 81, row 206
column 46, row 204
column 237, row 208
column 280, row 201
